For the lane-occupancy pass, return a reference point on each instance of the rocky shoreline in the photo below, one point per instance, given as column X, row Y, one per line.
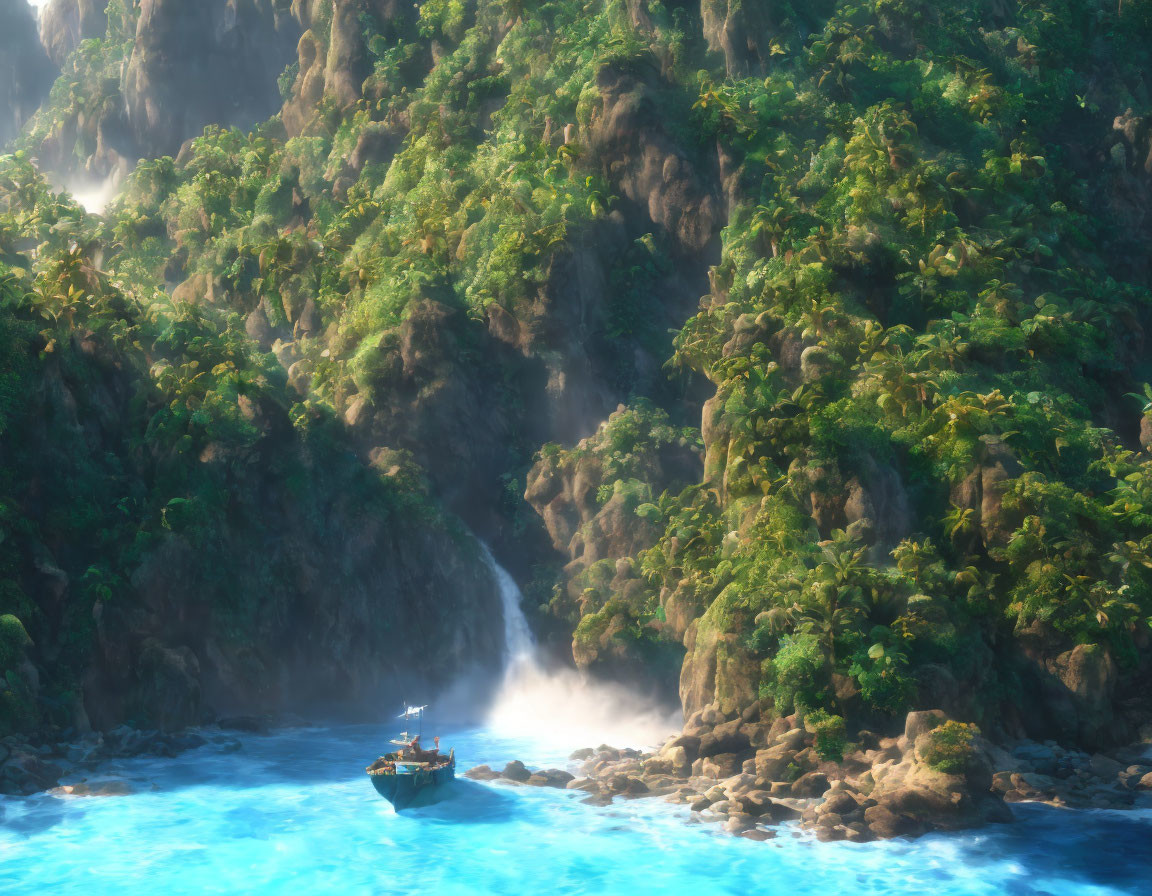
column 72, row 765
column 939, row 775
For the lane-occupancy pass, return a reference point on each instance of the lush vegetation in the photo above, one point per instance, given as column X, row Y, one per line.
column 924, row 334
column 969, row 310
column 130, row 421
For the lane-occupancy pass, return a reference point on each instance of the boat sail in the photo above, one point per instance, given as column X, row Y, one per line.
column 411, row 773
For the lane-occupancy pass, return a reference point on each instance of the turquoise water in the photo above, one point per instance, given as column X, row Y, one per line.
column 294, row 813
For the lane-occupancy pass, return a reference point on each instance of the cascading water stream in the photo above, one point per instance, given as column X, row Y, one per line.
column 562, row 706
column 519, row 645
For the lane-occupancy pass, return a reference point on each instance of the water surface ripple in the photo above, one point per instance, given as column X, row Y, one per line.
column 294, row 813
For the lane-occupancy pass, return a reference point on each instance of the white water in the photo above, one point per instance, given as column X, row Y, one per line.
column 94, row 197
column 561, row 706
column 294, row 814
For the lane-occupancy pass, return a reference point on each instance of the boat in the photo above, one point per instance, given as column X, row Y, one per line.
column 411, row 774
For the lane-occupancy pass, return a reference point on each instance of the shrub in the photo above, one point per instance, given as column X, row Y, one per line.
column 829, row 730
column 949, row 748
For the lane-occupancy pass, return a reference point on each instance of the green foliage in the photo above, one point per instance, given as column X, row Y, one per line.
column 830, row 742
column 795, row 676
column 13, row 640
column 923, row 327
column 189, row 419
column 949, row 748
column 17, row 706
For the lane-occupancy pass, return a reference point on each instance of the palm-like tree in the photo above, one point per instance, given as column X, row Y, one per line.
column 836, row 596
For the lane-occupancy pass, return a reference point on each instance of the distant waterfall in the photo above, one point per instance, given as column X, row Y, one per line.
column 561, row 705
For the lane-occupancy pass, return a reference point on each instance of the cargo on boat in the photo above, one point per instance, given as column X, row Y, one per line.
column 411, row 774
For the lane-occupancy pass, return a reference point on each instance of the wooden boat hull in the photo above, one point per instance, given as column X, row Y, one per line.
column 403, row 789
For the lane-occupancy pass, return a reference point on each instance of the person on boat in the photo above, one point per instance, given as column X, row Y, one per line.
column 421, row 755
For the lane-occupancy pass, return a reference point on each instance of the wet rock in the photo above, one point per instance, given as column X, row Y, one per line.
column 627, row 785
column 552, row 777
column 885, row 824
column 110, row 787
column 841, row 804
column 737, row 824
column 482, row 773
column 25, row 773
column 516, row 771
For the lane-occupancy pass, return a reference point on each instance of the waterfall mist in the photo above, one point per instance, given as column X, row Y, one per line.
column 94, row 196
column 560, row 705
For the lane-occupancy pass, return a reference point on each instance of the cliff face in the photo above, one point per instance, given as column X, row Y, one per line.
column 156, row 73
column 891, row 460
column 204, row 63
column 183, row 541
column 64, row 23
column 26, row 72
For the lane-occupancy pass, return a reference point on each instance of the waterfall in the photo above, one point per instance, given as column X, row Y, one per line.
column 519, row 645
column 561, row 705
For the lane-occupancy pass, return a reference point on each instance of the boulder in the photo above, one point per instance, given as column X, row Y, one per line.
column 726, row 738
column 773, row 762
column 722, row 765
column 917, row 723
column 1105, row 767
column 516, row 771
column 885, row 824
column 913, row 796
column 25, row 773
column 812, row 784
column 627, row 785
column 552, row 777
column 842, row 803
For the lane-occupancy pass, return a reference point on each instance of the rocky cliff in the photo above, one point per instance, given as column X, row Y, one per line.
column 65, row 23
column 26, row 72
column 791, row 355
column 183, row 541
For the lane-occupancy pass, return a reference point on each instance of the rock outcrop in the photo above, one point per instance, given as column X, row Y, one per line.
column 335, row 61
column 64, row 23
column 630, row 140
column 750, row 776
column 26, row 72
column 213, row 62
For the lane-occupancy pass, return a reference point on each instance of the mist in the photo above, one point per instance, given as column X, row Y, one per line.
column 94, row 197
column 561, row 706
